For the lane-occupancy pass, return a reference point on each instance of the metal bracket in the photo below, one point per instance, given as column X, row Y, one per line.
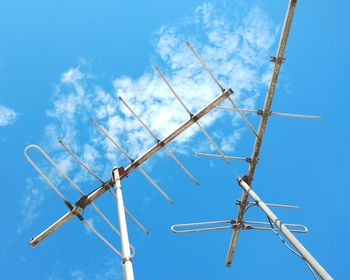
column 126, row 259
column 275, row 59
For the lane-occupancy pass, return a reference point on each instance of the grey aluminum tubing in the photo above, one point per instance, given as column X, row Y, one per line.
column 238, row 202
column 243, row 116
column 298, row 116
column 190, row 114
column 35, row 241
column 109, row 184
column 263, row 123
column 204, row 65
column 297, row 228
column 196, row 227
column 143, row 172
column 293, row 240
column 170, row 153
column 219, row 156
column 101, row 181
column 221, row 87
column 54, row 164
column 247, row 225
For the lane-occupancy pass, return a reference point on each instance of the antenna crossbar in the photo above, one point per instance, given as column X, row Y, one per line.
column 170, row 153
column 101, row 181
column 86, row 200
column 206, row 134
column 143, row 172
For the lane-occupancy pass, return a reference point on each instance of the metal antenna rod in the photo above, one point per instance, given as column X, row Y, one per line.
column 98, row 178
column 243, row 116
column 84, row 201
column 259, row 112
column 75, row 186
column 93, row 229
column 170, row 153
column 124, row 237
column 247, row 225
column 302, row 250
column 104, row 132
column 51, row 229
column 204, row 65
column 190, row 113
column 238, row 202
column 263, row 122
column 36, row 240
column 219, row 156
column 221, row 87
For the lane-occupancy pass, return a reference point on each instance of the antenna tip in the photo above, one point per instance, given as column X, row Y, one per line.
column 60, row 141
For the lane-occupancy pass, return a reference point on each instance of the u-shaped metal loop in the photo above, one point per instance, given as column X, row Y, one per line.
column 36, row 167
column 246, row 225
column 297, row 228
column 197, row 227
column 40, row 171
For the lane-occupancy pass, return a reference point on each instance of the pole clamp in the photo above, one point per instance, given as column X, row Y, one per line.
column 121, row 172
column 278, row 60
column 126, row 259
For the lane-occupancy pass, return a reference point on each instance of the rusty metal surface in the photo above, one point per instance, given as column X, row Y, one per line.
column 262, row 125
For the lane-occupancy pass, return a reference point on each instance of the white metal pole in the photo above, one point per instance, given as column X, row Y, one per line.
column 124, row 238
column 296, row 243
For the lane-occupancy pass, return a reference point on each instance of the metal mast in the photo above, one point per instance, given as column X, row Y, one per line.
column 277, row 60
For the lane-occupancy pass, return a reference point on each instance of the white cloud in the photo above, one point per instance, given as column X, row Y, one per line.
column 7, row 116
column 238, row 54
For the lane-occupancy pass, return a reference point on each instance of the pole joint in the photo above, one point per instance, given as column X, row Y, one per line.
column 126, row 259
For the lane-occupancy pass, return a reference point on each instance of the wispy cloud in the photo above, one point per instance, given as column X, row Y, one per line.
column 32, row 199
column 7, row 116
column 236, row 53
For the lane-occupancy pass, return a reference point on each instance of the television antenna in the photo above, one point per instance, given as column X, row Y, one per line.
column 245, row 183
column 119, row 173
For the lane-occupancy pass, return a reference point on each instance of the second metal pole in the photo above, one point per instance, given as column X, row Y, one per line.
column 126, row 255
column 304, row 253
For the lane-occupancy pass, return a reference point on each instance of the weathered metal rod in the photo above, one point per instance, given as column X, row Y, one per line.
column 286, row 232
column 143, row 172
column 219, row 156
column 263, row 123
column 169, row 152
column 271, row 113
column 206, row 134
column 84, row 201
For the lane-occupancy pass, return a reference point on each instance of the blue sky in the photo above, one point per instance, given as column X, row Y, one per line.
column 64, row 63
